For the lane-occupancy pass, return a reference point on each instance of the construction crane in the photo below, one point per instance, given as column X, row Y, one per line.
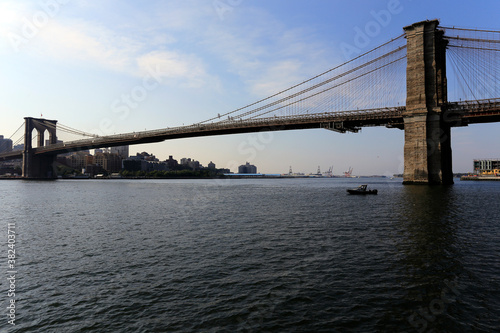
column 329, row 173
column 348, row 173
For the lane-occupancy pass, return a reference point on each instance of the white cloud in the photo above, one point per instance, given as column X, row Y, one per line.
column 266, row 54
column 187, row 39
column 279, row 76
column 83, row 42
column 169, row 65
column 11, row 20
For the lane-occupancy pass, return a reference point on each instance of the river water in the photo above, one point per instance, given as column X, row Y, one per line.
column 250, row 255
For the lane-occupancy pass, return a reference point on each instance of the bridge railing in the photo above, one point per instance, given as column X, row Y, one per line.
column 475, row 106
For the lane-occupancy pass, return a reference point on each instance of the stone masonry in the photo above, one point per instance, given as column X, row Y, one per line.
column 427, row 150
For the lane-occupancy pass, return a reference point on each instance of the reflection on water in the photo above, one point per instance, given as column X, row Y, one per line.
column 434, row 240
column 429, row 255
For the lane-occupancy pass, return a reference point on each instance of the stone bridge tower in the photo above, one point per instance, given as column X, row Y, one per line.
column 34, row 166
column 427, row 150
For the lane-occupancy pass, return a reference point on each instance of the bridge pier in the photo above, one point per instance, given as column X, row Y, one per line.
column 38, row 166
column 427, row 150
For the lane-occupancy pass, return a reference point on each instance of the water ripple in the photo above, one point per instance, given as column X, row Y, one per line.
column 254, row 255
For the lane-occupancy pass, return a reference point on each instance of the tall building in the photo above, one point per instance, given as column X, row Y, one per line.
column 122, row 151
column 211, row 165
column 247, row 168
column 5, row 145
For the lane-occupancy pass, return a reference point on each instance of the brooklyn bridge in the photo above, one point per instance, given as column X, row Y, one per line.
column 400, row 84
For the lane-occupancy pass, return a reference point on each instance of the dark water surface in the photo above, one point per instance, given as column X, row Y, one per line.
column 277, row 255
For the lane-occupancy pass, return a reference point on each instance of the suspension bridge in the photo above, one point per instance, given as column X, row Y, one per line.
column 400, row 84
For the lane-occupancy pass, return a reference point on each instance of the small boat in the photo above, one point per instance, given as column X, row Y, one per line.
column 362, row 190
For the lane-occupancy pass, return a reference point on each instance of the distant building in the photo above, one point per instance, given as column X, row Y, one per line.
column 79, row 160
column 156, row 166
column 122, row 151
column 19, row 147
column 144, row 156
column 100, row 150
column 211, row 165
column 109, row 161
column 171, row 163
column 247, row 168
column 195, row 165
column 134, row 164
column 5, row 145
column 93, row 170
column 47, row 142
column 487, row 167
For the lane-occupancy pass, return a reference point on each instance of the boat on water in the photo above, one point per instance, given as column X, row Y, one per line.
column 362, row 189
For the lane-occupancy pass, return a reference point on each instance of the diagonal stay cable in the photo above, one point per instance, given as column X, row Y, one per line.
column 301, row 83
column 321, row 83
column 329, row 88
column 17, row 130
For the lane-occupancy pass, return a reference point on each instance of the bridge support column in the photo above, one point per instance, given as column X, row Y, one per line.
column 427, row 150
column 38, row 166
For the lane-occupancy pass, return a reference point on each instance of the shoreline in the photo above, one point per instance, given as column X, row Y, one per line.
column 215, row 177
column 480, row 178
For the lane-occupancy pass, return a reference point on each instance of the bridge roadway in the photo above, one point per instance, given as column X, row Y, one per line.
column 458, row 114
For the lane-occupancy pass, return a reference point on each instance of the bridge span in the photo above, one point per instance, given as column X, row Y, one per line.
column 374, row 77
column 458, row 114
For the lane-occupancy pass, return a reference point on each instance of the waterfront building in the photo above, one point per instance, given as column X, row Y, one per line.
column 109, row 161
column 211, row 165
column 93, row 170
column 247, row 168
column 79, row 160
column 487, row 166
column 134, row 164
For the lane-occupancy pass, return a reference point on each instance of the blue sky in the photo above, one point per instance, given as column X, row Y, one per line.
column 119, row 66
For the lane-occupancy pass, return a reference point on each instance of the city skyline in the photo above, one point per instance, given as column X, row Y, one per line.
column 117, row 67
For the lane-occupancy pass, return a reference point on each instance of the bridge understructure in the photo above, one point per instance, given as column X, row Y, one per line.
column 410, row 68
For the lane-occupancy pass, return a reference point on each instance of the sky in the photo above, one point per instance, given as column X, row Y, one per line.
column 112, row 66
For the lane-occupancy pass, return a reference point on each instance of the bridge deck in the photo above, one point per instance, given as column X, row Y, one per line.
column 458, row 113
column 351, row 119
